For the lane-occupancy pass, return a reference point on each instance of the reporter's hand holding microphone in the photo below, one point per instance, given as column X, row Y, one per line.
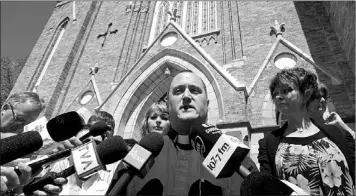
column 68, row 144
column 64, row 150
column 17, row 146
column 21, row 145
column 94, row 131
column 12, row 182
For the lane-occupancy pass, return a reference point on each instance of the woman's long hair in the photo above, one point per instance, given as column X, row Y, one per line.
column 156, row 106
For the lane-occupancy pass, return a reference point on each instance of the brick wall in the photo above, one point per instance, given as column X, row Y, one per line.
column 117, row 54
column 326, row 51
column 342, row 18
column 57, row 72
column 256, row 18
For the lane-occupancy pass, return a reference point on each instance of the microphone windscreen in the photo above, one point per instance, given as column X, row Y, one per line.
column 98, row 128
column 204, row 187
column 20, row 145
column 258, row 183
column 112, row 149
column 65, row 126
column 152, row 142
column 152, row 187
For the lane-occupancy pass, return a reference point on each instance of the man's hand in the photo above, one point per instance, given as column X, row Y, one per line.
column 10, row 180
column 51, row 189
column 16, row 162
column 333, row 119
column 68, row 144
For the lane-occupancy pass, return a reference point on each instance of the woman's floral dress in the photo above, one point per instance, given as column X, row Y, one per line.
column 315, row 164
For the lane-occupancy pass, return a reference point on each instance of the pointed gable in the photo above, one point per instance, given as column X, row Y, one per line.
column 146, row 81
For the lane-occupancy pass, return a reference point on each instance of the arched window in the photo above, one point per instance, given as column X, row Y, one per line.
column 58, row 36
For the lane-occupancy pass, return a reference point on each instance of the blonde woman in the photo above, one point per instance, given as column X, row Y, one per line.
column 156, row 119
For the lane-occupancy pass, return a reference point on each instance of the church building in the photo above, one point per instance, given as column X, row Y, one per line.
column 120, row 57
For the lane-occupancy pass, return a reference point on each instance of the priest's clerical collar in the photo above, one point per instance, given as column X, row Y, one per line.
column 181, row 141
column 184, row 146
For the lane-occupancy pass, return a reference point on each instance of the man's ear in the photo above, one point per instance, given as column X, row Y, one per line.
column 6, row 106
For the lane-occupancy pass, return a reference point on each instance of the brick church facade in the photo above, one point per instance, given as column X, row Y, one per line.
column 121, row 56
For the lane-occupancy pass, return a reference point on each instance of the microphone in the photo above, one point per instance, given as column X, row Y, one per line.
column 138, row 161
column 258, row 183
column 57, row 129
column 60, row 128
column 96, row 129
column 65, row 126
column 152, row 187
column 19, row 145
column 205, row 187
column 87, row 160
column 223, row 153
column 130, row 142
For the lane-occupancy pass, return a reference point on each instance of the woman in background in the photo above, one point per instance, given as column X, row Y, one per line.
column 318, row 159
column 321, row 114
column 156, row 119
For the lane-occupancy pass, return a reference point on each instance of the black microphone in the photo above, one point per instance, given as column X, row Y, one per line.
column 96, row 129
column 152, row 187
column 204, row 187
column 57, row 129
column 258, row 183
column 19, row 145
column 107, row 152
column 65, row 126
column 60, row 128
column 130, row 142
column 223, row 153
column 138, row 161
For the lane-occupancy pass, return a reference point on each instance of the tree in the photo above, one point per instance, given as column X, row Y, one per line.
column 10, row 70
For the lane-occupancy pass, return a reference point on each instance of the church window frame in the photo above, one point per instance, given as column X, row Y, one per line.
column 86, row 97
column 59, row 33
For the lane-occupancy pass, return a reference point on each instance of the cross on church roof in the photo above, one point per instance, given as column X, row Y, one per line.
column 277, row 29
column 93, row 70
column 106, row 33
column 173, row 15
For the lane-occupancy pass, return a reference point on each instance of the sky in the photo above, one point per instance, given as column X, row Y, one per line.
column 22, row 23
